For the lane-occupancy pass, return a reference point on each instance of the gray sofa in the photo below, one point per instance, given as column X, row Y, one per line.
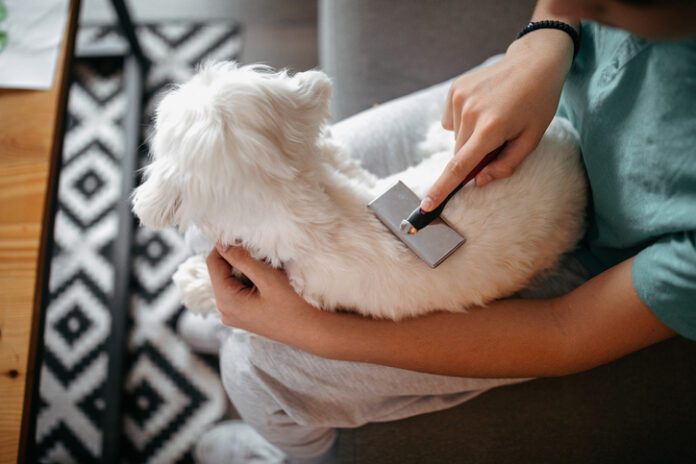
column 376, row 50
column 640, row 409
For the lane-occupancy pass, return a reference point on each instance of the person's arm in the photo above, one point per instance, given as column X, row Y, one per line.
column 511, row 101
column 600, row 321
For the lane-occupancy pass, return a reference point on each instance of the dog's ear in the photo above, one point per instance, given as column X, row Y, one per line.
column 309, row 111
column 314, row 90
column 156, row 202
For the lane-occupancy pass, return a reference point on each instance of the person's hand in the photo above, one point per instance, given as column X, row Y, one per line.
column 270, row 308
column 510, row 101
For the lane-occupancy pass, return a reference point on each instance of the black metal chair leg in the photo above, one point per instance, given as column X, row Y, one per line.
column 114, row 388
column 126, row 23
column 136, row 66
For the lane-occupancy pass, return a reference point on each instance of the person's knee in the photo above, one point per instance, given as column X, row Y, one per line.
column 253, row 392
column 236, row 366
column 274, row 385
column 249, row 377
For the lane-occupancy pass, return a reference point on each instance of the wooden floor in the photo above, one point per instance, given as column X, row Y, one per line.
column 28, row 129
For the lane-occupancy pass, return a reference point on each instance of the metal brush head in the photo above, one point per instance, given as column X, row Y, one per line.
column 433, row 244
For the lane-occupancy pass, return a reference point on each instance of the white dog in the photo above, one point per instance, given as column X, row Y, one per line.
column 245, row 155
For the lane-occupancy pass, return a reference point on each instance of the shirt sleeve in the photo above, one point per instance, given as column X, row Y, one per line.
column 664, row 276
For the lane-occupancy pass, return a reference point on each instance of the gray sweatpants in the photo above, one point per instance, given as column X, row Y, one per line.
column 296, row 400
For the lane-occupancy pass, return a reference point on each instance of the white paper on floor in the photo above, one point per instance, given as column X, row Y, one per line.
column 34, row 31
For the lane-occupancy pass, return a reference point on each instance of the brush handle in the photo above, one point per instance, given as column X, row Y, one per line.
column 420, row 218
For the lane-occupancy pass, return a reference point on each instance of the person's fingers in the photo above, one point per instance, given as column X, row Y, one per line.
column 457, row 101
column 447, row 112
column 464, row 161
column 506, row 162
column 221, row 275
column 257, row 271
column 467, row 123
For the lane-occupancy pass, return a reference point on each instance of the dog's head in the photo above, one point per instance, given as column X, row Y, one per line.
column 225, row 139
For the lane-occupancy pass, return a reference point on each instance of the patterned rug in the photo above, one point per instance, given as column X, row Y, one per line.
column 171, row 393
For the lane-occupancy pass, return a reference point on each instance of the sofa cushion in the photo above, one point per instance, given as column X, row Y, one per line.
column 639, row 409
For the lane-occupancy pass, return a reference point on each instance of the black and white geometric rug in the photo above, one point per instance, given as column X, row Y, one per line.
column 171, row 394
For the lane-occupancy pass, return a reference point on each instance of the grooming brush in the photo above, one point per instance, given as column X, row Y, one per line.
column 425, row 233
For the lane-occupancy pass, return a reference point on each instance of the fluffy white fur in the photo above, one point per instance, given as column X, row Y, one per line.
column 245, row 155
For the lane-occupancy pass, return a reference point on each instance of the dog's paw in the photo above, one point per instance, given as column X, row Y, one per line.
column 193, row 282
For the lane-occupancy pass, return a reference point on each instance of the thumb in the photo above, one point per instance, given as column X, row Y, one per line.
column 505, row 164
column 221, row 276
column 238, row 257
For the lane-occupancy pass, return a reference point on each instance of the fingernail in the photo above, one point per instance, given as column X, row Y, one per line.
column 220, row 248
column 427, row 204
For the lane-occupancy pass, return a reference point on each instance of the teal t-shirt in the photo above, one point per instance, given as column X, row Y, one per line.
column 633, row 101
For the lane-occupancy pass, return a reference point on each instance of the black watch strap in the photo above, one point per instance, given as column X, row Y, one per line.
column 553, row 24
